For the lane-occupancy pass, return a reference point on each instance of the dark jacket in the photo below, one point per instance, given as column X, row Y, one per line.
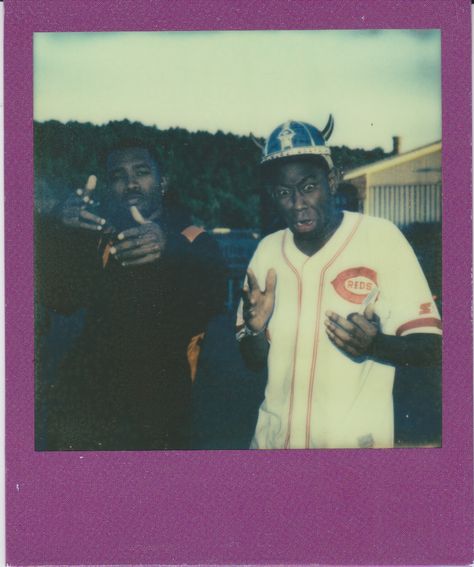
column 126, row 383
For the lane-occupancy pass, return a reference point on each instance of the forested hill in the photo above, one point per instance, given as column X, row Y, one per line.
column 213, row 174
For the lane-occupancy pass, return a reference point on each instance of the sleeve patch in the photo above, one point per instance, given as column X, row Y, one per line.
column 425, row 308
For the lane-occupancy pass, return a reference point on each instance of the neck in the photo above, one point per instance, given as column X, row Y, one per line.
column 310, row 246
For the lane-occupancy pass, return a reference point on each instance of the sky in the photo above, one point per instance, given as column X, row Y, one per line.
column 376, row 83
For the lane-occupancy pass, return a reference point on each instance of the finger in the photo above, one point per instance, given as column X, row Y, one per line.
column 339, row 332
column 341, row 321
column 137, row 216
column 90, row 226
column 76, row 223
column 133, row 232
column 72, row 207
column 134, row 242
column 245, row 294
column 364, row 325
column 270, row 281
column 252, row 280
column 85, row 198
column 355, row 338
column 86, row 193
column 249, row 299
column 91, row 183
column 144, row 260
column 91, row 217
column 138, row 252
column 341, row 344
column 369, row 312
column 249, row 302
column 71, row 212
column 254, row 297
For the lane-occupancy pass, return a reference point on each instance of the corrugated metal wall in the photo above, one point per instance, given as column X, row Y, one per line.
column 405, row 204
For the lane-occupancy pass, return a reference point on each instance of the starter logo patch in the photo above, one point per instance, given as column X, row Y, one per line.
column 425, row 309
column 355, row 284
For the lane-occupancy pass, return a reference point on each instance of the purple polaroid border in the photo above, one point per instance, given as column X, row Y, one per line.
column 400, row 506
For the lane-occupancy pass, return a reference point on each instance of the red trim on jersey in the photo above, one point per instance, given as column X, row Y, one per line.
column 417, row 323
column 315, row 344
column 300, row 293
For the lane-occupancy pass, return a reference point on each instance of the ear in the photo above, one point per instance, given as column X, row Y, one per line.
column 268, row 189
column 333, row 180
column 164, row 185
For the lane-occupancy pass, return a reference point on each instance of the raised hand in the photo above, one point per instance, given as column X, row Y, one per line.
column 73, row 212
column 354, row 335
column 258, row 304
column 139, row 245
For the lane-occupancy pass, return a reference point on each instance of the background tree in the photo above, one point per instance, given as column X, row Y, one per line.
column 214, row 175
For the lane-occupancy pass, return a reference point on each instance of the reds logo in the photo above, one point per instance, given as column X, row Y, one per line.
column 355, row 284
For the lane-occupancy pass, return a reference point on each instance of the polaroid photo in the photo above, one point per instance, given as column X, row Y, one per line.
column 238, row 258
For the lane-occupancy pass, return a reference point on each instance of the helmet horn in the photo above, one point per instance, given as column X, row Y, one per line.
column 327, row 130
column 256, row 142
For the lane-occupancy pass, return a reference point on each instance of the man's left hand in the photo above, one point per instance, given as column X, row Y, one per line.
column 139, row 245
column 354, row 335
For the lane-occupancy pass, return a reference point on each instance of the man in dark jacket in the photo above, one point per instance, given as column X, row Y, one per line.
column 150, row 282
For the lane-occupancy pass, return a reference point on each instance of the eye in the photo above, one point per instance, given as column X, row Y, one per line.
column 308, row 187
column 143, row 171
column 117, row 176
column 281, row 192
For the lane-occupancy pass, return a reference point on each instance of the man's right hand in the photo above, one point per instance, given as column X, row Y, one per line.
column 73, row 212
column 258, row 305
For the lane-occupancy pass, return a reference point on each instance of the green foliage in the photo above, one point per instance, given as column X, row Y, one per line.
column 346, row 158
column 214, row 175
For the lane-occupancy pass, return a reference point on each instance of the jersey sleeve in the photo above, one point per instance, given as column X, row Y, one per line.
column 405, row 296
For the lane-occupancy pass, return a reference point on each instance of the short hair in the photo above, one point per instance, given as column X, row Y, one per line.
column 124, row 144
column 267, row 169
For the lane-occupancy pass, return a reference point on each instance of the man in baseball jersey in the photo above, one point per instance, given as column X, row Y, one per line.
column 332, row 304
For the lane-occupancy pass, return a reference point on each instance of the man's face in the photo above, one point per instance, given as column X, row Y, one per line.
column 302, row 194
column 134, row 179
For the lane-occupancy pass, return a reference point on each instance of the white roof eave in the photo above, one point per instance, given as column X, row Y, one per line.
column 392, row 161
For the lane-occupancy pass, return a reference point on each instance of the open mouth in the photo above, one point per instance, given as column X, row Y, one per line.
column 304, row 225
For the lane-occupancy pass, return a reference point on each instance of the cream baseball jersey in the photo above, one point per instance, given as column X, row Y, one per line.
column 316, row 395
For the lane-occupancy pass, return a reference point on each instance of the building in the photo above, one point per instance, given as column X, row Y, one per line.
column 404, row 188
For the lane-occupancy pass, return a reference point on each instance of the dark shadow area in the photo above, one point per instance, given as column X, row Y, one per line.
column 417, row 407
column 226, row 394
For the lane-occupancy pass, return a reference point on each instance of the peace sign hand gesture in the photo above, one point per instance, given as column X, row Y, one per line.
column 258, row 305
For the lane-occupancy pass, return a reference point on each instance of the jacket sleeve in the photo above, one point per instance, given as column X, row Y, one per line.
column 204, row 278
column 66, row 265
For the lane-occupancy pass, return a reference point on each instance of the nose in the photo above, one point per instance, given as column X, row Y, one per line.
column 132, row 182
column 298, row 201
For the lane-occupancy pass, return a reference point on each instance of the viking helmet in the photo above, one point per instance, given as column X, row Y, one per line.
column 295, row 138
